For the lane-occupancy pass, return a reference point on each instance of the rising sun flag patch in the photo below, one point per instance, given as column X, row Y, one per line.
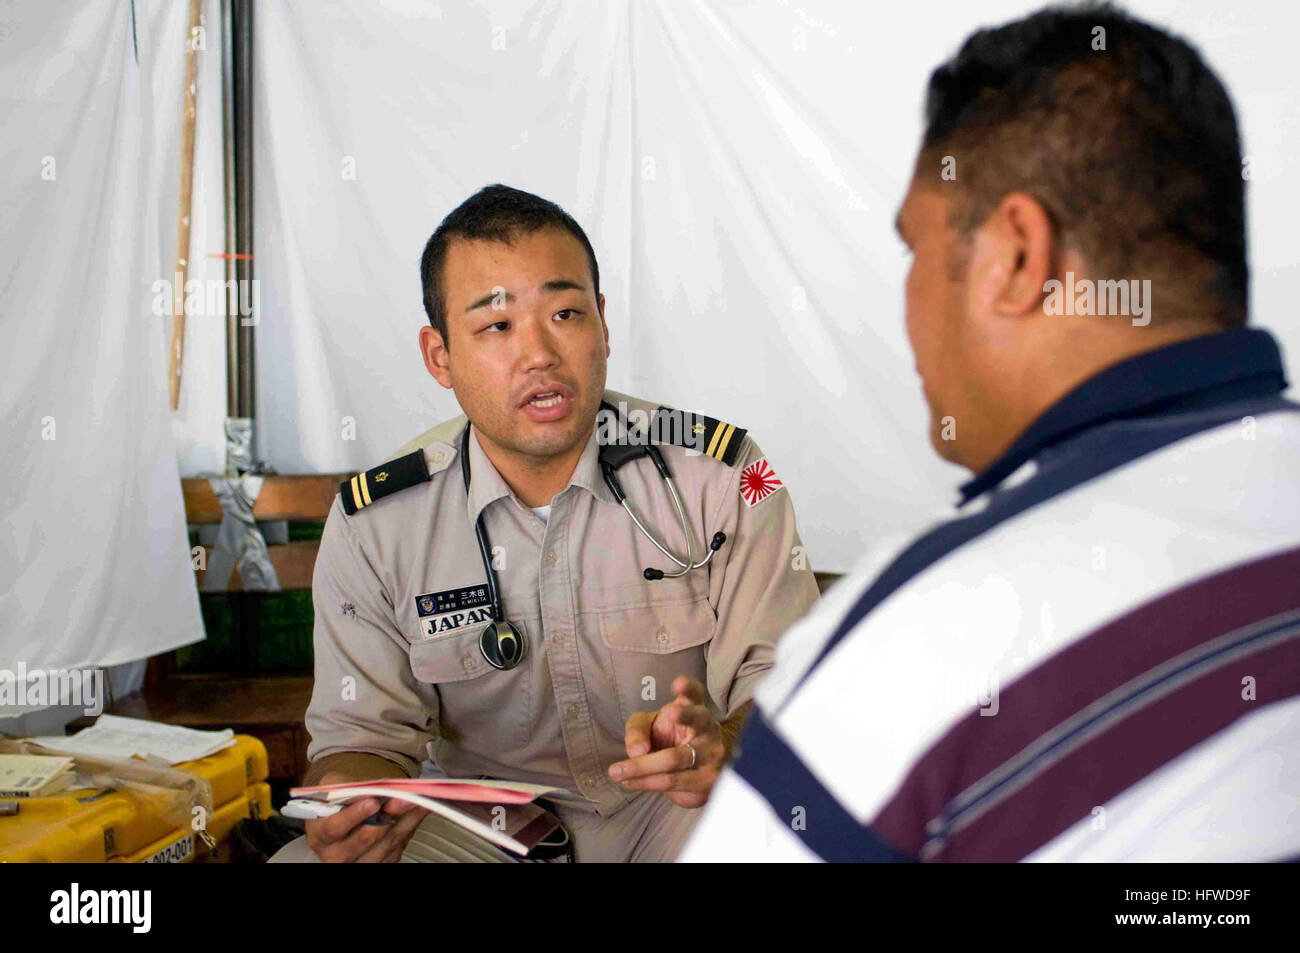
column 758, row 481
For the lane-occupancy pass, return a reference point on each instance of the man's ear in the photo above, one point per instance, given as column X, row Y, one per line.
column 1012, row 258
column 600, row 301
column 436, row 357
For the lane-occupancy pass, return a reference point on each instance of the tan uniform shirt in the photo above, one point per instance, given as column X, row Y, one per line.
column 601, row 640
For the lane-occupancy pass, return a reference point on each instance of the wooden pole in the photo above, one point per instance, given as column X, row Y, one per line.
column 183, row 212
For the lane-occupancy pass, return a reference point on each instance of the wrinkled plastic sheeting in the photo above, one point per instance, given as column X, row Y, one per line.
column 240, row 545
column 176, row 795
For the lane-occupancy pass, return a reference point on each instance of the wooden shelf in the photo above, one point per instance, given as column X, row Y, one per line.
column 287, row 497
column 293, row 561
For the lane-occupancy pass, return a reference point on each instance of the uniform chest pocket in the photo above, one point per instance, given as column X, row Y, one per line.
column 481, row 709
column 650, row 646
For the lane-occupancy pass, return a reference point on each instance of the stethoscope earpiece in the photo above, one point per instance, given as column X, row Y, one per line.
column 653, row 574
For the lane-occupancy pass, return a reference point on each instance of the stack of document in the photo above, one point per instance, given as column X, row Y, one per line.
column 500, row 812
column 117, row 738
column 34, row 775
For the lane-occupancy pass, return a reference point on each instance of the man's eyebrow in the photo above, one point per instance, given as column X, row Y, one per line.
column 555, row 284
column 488, row 299
column 562, row 284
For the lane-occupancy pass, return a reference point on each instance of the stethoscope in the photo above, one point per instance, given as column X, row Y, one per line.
column 501, row 642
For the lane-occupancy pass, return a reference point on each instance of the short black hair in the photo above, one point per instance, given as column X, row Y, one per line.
column 495, row 213
column 1133, row 149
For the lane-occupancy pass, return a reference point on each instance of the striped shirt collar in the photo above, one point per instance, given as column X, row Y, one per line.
column 1201, row 372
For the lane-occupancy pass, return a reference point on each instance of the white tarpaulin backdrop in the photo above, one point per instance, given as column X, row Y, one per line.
column 737, row 165
column 94, row 562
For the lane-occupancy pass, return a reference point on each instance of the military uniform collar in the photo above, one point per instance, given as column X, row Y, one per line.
column 487, row 485
column 587, row 473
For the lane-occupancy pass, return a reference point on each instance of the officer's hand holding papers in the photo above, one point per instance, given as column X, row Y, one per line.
column 501, row 812
column 346, row 838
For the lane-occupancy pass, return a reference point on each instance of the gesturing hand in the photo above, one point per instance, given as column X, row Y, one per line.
column 678, row 749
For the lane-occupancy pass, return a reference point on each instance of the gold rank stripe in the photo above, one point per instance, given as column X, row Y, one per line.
column 717, row 432
column 721, row 437
column 356, row 494
column 726, row 439
column 365, row 488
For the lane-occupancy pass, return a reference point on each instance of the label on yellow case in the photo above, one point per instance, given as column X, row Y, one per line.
column 174, row 853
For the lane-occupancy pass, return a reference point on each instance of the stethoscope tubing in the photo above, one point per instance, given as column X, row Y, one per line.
column 611, row 478
column 480, row 532
column 506, row 633
column 690, row 543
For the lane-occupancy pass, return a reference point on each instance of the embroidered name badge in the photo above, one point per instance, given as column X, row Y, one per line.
column 758, row 481
column 446, row 611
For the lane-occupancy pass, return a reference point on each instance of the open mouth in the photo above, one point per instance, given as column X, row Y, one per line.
column 549, row 405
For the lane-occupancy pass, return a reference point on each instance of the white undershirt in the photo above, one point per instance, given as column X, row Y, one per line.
column 543, row 511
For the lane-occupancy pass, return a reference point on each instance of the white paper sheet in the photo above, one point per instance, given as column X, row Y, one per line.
column 113, row 736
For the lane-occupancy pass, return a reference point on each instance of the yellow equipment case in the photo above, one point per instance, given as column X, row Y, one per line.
column 92, row 825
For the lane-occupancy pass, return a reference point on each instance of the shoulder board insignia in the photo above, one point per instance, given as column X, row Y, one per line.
column 715, row 438
column 383, row 480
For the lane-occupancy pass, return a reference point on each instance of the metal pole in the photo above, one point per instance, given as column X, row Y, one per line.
column 243, row 88
column 228, row 168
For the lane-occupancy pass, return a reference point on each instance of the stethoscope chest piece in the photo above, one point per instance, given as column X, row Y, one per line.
column 502, row 645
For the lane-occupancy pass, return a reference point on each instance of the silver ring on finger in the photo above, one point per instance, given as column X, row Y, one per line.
column 692, row 764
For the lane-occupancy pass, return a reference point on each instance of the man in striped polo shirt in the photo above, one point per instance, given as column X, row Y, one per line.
column 1098, row 656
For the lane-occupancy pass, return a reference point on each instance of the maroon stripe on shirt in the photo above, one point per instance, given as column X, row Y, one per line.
column 1114, row 760
column 1068, row 682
